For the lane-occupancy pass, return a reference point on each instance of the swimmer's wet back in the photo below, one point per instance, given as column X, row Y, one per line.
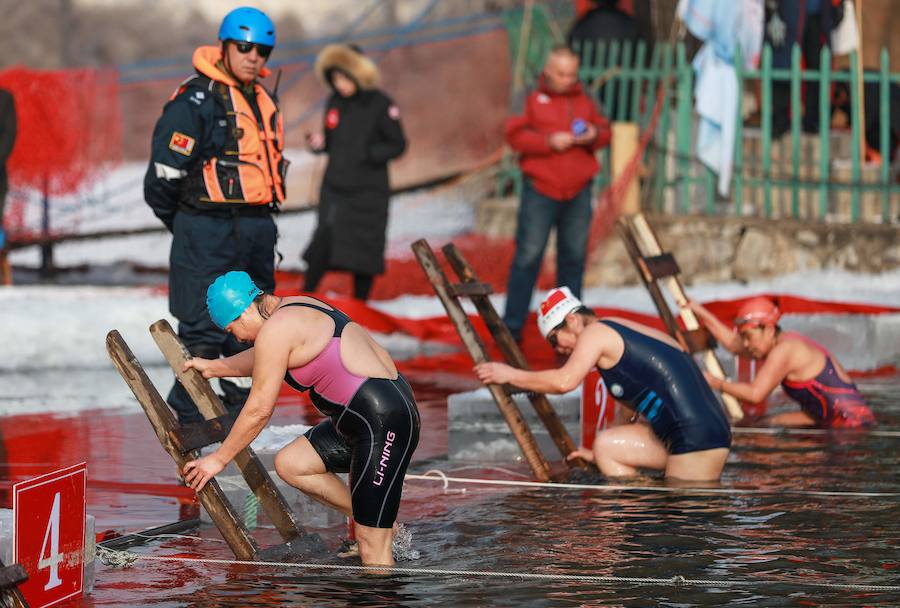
column 664, row 385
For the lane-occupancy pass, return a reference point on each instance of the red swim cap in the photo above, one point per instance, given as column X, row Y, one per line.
column 760, row 311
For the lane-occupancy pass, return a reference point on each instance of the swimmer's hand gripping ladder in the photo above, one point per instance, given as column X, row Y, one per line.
column 211, row 408
column 656, row 267
column 469, row 286
column 182, row 443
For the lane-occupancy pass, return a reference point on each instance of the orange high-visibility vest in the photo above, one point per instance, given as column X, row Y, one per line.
column 250, row 168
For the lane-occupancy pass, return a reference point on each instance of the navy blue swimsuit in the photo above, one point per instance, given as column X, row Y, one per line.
column 663, row 384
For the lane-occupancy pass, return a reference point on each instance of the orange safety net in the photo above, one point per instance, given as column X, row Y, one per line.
column 69, row 127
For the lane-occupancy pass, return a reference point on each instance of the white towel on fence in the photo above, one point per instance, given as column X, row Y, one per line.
column 723, row 25
column 716, row 92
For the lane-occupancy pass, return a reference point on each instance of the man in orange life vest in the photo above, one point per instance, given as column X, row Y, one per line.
column 215, row 178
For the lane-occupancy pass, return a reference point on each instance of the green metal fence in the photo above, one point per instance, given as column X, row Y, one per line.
column 821, row 176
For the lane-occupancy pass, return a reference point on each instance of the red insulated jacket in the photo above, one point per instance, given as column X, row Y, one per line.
column 558, row 175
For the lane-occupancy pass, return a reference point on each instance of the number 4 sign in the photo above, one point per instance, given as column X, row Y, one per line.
column 48, row 535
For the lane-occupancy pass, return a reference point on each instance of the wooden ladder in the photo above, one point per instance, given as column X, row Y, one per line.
column 10, row 577
column 470, row 287
column 182, row 443
column 656, row 267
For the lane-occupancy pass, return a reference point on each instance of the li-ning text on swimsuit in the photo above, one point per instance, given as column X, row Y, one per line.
column 385, row 457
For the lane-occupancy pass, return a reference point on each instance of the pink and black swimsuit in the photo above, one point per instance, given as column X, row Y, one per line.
column 827, row 398
column 372, row 427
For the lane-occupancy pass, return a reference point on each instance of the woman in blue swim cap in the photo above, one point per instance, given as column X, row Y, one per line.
column 372, row 423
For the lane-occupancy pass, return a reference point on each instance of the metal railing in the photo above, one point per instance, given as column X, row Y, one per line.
column 821, row 176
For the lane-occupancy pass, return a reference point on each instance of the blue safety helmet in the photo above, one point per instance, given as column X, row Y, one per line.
column 229, row 296
column 247, row 24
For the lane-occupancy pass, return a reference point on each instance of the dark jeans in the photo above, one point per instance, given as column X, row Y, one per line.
column 538, row 214
column 204, row 247
column 810, row 40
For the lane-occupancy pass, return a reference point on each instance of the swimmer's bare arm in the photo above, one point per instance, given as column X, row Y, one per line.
column 587, row 353
column 723, row 334
column 777, row 365
column 271, row 361
column 239, row 365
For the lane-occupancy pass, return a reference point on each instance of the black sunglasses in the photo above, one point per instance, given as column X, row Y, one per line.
column 553, row 333
column 551, row 338
column 264, row 50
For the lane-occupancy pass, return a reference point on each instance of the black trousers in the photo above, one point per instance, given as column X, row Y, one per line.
column 204, row 247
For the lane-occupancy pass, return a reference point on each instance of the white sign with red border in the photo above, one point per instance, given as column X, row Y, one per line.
column 48, row 535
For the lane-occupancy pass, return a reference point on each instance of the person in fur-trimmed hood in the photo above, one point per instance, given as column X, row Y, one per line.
column 362, row 132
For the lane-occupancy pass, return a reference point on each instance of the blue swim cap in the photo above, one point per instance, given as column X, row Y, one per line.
column 248, row 24
column 229, row 296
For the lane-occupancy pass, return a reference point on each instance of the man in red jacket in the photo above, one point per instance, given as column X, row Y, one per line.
column 556, row 139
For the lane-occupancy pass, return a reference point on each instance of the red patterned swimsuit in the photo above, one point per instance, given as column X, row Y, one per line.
column 827, row 398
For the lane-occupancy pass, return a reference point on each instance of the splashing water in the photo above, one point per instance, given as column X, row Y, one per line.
column 402, row 545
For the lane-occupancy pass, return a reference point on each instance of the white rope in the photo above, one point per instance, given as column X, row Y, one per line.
column 445, row 479
column 481, row 467
column 113, row 557
column 751, row 430
column 160, row 536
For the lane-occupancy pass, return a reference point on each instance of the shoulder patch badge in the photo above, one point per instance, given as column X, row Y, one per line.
column 181, row 143
column 394, row 112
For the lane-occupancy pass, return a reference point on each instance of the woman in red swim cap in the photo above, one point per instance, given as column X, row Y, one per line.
column 808, row 373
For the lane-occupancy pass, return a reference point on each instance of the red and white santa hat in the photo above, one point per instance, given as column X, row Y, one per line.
column 553, row 310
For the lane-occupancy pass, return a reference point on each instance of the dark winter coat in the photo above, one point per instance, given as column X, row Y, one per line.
column 603, row 24
column 7, row 140
column 362, row 133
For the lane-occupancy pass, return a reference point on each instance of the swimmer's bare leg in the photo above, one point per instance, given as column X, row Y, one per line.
column 375, row 545
column 299, row 465
column 620, row 451
column 693, row 467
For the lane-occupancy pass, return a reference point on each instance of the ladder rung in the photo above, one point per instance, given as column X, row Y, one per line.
column 463, row 290
column 662, row 266
column 201, row 434
column 10, row 576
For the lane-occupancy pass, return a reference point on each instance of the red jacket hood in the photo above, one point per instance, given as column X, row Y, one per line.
column 205, row 60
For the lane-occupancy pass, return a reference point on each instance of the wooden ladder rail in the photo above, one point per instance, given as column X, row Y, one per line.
column 210, row 406
column 653, row 266
column 10, row 577
column 164, row 424
column 511, row 352
column 448, row 296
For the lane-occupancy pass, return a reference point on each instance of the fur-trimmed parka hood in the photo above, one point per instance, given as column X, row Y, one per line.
column 350, row 61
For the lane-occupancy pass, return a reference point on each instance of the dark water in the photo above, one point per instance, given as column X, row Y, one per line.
column 773, row 548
